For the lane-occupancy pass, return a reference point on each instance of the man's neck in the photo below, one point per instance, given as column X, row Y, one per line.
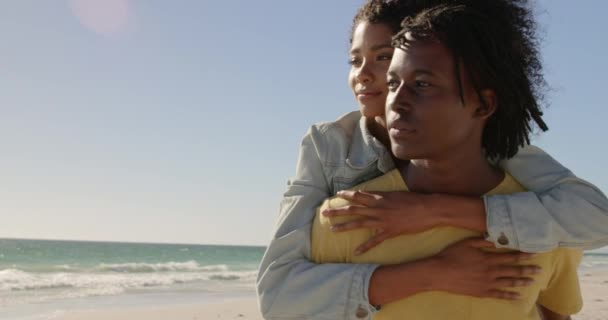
column 461, row 173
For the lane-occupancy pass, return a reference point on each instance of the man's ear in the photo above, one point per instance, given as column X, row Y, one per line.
column 487, row 105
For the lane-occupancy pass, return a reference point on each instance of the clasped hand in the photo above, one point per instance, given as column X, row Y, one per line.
column 390, row 213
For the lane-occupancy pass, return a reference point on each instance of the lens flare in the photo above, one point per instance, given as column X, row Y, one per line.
column 105, row 17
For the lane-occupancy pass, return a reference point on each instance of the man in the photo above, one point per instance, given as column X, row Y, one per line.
column 463, row 86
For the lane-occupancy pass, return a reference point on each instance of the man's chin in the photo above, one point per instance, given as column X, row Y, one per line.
column 403, row 152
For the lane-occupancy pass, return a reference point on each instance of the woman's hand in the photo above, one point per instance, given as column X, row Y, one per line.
column 391, row 213
column 465, row 268
column 400, row 212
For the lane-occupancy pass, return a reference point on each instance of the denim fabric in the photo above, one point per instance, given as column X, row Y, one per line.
column 560, row 209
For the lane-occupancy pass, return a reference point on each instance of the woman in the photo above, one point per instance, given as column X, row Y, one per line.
column 339, row 155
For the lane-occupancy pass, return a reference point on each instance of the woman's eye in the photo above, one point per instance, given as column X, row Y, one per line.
column 385, row 57
column 392, row 84
column 354, row 61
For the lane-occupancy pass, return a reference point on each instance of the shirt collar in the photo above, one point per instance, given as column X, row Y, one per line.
column 366, row 149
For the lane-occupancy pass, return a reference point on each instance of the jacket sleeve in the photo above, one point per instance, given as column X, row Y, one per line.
column 289, row 286
column 560, row 210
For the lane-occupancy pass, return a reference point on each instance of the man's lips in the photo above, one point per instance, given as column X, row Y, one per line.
column 400, row 129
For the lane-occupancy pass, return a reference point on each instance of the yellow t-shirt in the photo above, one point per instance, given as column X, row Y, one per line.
column 556, row 287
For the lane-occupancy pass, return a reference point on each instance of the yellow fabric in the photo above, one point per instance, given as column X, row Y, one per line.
column 556, row 287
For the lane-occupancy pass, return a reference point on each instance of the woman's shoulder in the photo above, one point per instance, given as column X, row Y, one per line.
column 338, row 132
column 342, row 151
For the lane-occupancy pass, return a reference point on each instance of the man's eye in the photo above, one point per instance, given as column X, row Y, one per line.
column 385, row 57
column 422, row 84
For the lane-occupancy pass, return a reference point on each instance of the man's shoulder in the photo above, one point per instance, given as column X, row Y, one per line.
column 507, row 186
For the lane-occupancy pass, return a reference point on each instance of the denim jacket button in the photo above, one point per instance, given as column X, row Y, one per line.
column 503, row 240
column 361, row 313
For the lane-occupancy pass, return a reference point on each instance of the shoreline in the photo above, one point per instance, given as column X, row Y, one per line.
column 241, row 305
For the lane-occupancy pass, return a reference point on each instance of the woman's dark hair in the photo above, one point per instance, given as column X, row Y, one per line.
column 389, row 12
column 495, row 41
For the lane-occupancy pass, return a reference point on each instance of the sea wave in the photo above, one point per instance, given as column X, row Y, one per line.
column 231, row 276
column 171, row 266
column 591, row 263
column 111, row 283
column 128, row 267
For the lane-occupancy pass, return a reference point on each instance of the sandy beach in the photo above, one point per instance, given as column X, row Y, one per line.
column 245, row 308
column 594, row 286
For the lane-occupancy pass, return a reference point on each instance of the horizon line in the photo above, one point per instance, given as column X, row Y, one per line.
column 135, row 242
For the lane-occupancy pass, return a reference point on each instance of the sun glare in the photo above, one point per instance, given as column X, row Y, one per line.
column 105, row 17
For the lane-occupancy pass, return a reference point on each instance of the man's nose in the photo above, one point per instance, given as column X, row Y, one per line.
column 399, row 100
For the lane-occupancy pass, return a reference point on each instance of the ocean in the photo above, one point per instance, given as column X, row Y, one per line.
column 40, row 277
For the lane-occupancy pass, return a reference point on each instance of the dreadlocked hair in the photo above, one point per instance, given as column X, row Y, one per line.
column 495, row 42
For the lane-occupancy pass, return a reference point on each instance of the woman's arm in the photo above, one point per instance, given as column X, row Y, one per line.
column 462, row 268
column 560, row 210
column 289, row 286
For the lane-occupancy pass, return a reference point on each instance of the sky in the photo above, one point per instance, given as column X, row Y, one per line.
column 180, row 121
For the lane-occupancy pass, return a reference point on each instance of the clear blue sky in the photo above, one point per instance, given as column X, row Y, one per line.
column 180, row 121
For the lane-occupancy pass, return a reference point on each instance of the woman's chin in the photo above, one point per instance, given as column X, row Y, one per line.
column 371, row 112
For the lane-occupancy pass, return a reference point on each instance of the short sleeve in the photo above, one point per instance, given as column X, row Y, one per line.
column 325, row 248
column 563, row 293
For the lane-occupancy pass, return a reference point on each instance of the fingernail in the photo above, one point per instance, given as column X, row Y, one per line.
column 357, row 252
column 537, row 270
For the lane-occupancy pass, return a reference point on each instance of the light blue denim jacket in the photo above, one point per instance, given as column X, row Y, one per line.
column 562, row 210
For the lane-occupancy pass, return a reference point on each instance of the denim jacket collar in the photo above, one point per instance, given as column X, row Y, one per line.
column 366, row 149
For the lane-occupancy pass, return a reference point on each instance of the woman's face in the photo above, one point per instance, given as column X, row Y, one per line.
column 370, row 56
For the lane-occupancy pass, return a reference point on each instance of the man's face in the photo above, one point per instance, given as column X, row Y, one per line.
column 425, row 115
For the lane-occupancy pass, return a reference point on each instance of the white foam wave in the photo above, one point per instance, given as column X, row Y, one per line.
column 151, row 267
column 215, row 268
column 594, row 264
column 8, row 276
column 23, row 287
column 17, row 280
column 189, row 266
column 231, row 276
